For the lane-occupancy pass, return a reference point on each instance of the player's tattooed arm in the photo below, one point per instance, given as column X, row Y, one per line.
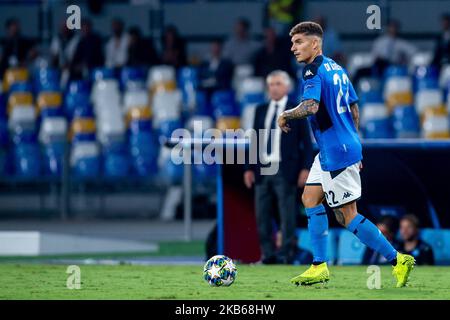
column 304, row 109
column 355, row 114
column 339, row 217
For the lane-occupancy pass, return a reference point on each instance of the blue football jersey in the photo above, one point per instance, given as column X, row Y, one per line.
column 327, row 82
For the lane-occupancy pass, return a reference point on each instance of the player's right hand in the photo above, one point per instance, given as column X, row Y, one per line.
column 282, row 123
column 249, row 178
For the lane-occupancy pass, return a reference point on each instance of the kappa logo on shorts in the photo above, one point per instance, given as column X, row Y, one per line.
column 347, row 195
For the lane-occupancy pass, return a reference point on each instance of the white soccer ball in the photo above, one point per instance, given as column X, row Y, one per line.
column 219, row 271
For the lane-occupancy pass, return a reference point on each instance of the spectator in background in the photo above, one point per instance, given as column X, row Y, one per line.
column 388, row 226
column 390, row 49
column 331, row 45
column 411, row 242
column 89, row 52
column 216, row 72
column 173, row 48
column 282, row 14
column 240, row 49
column 293, row 154
column 442, row 50
column 275, row 54
column 116, row 49
column 17, row 50
column 63, row 46
column 141, row 52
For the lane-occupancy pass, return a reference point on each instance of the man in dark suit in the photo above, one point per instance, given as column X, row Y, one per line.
column 216, row 72
column 292, row 155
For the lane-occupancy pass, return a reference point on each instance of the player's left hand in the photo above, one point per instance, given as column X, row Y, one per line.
column 282, row 123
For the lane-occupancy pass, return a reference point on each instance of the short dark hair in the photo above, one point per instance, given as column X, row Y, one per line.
column 245, row 23
column 390, row 222
column 307, row 27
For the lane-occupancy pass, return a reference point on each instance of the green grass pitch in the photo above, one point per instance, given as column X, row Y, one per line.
column 38, row 281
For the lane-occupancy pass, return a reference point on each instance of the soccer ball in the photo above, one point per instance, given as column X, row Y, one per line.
column 219, row 271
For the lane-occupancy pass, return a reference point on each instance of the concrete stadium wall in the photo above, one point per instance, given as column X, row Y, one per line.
column 345, row 16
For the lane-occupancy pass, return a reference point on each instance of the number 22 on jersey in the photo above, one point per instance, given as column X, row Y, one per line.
column 341, row 81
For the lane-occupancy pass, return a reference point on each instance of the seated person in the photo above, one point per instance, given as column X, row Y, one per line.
column 216, row 72
column 388, row 225
column 411, row 242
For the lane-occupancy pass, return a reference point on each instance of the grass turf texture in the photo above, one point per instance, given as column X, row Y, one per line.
column 36, row 281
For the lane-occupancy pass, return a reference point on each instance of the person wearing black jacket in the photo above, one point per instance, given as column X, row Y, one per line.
column 292, row 155
column 442, row 49
column 16, row 49
column 411, row 242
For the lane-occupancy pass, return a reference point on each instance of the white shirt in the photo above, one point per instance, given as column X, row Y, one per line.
column 394, row 50
column 65, row 55
column 240, row 51
column 275, row 156
column 117, row 51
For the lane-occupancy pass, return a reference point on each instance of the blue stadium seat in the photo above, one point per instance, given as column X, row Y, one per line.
column 378, row 129
column 4, row 136
column 253, row 98
column 406, row 122
column 204, row 172
column 3, row 161
column 20, row 87
column 395, row 71
column 116, row 162
column 51, row 112
column 102, row 73
column 224, row 104
column 203, row 107
column 131, row 74
column 143, row 150
column 426, row 83
column 87, row 136
column 166, row 127
column 74, row 102
column 372, row 96
column 439, row 240
column 27, row 161
column 85, row 160
column 53, row 157
column 350, row 249
column 188, row 76
column 137, row 126
column 88, row 167
column 169, row 171
column 83, row 110
column 187, row 80
column 46, row 79
column 425, row 78
column 78, row 86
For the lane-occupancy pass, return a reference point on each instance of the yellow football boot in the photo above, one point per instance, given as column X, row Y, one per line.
column 315, row 274
column 405, row 263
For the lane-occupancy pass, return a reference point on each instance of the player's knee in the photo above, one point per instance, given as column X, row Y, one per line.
column 309, row 201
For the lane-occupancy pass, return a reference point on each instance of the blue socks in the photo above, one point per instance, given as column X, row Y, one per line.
column 372, row 237
column 318, row 232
